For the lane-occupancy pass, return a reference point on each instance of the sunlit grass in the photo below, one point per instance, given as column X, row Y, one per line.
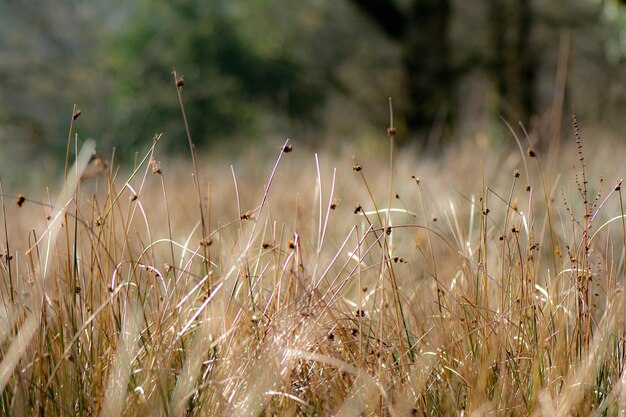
column 323, row 284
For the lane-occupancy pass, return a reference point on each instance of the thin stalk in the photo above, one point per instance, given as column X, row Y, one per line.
column 621, row 207
column 391, row 132
column 506, row 289
column 7, row 256
column 169, row 220
column 178, row 81
column 75, row 114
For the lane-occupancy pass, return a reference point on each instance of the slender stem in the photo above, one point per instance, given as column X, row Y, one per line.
column 7, row 254
column 178, row 81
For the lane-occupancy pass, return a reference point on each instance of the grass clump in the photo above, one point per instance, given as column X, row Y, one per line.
column 141, row 293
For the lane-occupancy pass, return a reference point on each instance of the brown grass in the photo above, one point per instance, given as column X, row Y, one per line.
column 467, row 285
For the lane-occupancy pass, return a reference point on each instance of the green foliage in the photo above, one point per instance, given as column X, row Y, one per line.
column 232, row 80
column 260, row 68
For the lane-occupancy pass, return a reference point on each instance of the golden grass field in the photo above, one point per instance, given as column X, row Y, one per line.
column 482, row 282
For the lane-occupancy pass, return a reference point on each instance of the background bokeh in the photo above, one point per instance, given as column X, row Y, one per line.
column 317, row 71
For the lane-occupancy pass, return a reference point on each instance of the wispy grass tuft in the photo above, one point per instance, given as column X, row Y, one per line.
column 353, row 289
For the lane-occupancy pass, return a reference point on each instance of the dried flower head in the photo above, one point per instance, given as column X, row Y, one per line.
column 156, row 167
column 180, row 82
column 6, row 256
column 287, row 148
column 19, row 200
column 248, row 215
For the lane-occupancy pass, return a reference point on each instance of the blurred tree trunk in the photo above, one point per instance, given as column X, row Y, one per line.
column 512, row 65
column 423, row 32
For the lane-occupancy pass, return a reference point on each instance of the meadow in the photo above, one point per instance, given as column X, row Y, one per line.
column 485, row 281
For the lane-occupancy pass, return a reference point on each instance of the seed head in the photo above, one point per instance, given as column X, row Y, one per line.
column 19, row 200
column 180, row 82
column 248, row 215
column 156, row 167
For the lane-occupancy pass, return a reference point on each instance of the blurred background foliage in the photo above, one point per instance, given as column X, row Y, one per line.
column 315, row 71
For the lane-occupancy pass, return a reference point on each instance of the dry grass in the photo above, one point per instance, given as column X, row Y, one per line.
column 491, row 287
